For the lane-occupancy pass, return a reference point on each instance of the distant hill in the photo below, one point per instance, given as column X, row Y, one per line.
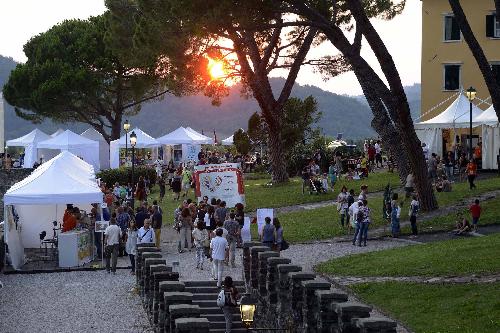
column 340, row 114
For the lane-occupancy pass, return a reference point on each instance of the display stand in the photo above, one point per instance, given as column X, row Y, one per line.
column 75, row 248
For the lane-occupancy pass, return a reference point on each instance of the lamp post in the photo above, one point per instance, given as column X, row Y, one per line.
column 471, row 95
column 126, row 127
column 133, row 141
column 247, row 311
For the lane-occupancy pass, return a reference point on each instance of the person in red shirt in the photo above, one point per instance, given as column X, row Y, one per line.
column 471, row 171
column 69, row 219
column 475, row 211
column 371, row 155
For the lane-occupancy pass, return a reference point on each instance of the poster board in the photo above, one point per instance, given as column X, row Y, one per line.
column 100, row 226
column 190, row 152
column 220, row 181
column 262, row 213
column 246, row 235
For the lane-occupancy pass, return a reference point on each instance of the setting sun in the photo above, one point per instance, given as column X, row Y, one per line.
column 216, row 69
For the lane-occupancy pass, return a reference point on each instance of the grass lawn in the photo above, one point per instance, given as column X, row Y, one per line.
column 464, row 256
column 463, row 308
column 461, row 191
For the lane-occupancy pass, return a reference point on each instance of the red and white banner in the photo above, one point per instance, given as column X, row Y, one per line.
column 220, row 181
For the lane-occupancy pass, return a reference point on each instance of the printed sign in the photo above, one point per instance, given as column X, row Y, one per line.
column 220, row 181
column 100, row 226
column 190, row 152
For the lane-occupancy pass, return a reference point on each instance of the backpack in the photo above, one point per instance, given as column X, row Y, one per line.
column 221, row 299
column 360, row 216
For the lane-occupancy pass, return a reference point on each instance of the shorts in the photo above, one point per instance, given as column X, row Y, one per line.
column 475, row 220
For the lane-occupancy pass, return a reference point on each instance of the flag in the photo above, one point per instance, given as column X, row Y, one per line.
column 215, row 138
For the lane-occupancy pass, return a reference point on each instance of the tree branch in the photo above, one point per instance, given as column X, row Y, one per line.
column 145, row 99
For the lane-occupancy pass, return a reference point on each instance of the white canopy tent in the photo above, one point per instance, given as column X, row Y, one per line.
column 92, row 134
column 457, row 115
column 56, row 133
column 144, row 140
column 208, row 140
column 76, row 144
column 491, row 138
column 184, row 136
column 33, row 203
column 29, row 142
column 228, row 141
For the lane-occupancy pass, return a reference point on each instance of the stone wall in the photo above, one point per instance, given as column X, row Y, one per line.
column 9, row 178
column 289, row 298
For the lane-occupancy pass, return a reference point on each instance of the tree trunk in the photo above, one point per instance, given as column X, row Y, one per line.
column 477, row 52
column 277, row 157
column 116, row 126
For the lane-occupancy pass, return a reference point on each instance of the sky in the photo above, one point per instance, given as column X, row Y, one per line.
column 22, row 19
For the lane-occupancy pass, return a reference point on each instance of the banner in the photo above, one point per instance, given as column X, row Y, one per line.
column 190, row 152
column 220, row 181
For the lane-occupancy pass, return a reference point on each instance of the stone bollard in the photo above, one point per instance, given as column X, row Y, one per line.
column 192, row 325
column 298, row 294
column 312, row 309
column 157, row 278
column 375, row 325
column 254, row 265
column 284, row 293
column 263, row 256
column 347, row 311
column 273, row 277
column 163, row 287
column 173, row 298
column 147, row 262
column 139, row 259
column 328, row 319
column 151, row 285
column 247, row 261
column 177, row 311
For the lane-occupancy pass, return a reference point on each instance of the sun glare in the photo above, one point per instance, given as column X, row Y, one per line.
column 216, row 69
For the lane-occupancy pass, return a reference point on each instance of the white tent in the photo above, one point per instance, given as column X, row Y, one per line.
column 457, row 115
column 29, row 142
column 33, row 203
column 228, row 141
column 208, row 140
column 184, row 136
column 56, row 133
column 490, row 138
column 144, row 140
column 92, row 134
column 488, row 117
column 76, row 144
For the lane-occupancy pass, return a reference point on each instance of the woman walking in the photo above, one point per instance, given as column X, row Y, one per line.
column 200, row 236
column 131, row 246
column 267, row 234
column 363, row 231
column 342, row 205
column 240, row 218
column 395, row 214
column 471, row 171
column 279, row 233
column 231, row 297
column 186, row 224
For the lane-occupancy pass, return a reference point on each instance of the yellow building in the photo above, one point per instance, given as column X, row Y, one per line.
column 447, row 62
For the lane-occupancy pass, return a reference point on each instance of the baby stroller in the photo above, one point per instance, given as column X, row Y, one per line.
column 315, row 186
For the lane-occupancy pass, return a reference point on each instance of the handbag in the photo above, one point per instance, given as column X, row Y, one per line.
column 284, row 245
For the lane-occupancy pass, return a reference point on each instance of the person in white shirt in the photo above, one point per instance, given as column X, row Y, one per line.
column 146, row 233
column 378, row 154
column 218, row 246
column 112, row 236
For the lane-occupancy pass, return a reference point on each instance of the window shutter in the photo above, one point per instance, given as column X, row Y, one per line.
column 490, row 26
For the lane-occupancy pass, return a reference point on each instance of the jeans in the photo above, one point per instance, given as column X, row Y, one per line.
column 449, row 172
column 228, row 317
column 132, row 261
column 218, row 266
column 413, row 221
column 363, row 233
column 200, row 255
column 185, row 234
column 111, row 253
column 342, row 218
column 395, row 226
column 232, row 251
column 356, row 232
column 157, row 237
column 98, row 243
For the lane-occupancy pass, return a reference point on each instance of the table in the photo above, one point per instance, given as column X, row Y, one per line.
column 75, row 248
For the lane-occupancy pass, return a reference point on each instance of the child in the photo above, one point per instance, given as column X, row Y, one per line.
column 414, row 207
column 462, row 225
column 324, row 183
column 475, row 211
column 131, row 245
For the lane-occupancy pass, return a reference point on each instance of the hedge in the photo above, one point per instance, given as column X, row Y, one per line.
column 123, row 175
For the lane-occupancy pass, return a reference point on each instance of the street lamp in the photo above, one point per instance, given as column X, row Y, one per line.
column 126, row 127
column 247, row 311
column 471, row 95
column 133, row 141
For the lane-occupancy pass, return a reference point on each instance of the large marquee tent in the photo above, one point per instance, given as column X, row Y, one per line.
column 33, row 203
column 92, row 134
column 144, row 140
column 87, row 149
column 491, row 137
column 30, row 143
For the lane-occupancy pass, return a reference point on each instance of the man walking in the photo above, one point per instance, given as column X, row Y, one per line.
column 157, row 223
column 233, row 233
column 112, row 236
column 146, row 234
column 218, row 245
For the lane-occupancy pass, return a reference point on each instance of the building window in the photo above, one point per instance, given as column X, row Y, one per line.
column 492, row 26
column 495, row 68
column 451, row 29
column 451, row 77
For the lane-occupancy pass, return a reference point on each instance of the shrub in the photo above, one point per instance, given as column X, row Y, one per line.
column 123, row 175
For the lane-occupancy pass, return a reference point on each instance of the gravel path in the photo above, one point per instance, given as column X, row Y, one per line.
column 71, row 302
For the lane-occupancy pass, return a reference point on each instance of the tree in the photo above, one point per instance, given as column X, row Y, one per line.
column 477, row 51
column 329, row 18
column 257, row 129
column 240, row 34
column 241, row 142
column 73, row 74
